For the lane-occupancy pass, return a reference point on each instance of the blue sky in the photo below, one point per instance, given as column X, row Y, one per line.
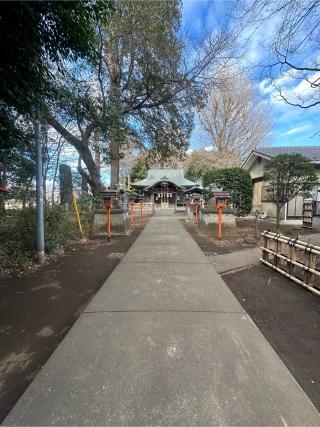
column 292, row 126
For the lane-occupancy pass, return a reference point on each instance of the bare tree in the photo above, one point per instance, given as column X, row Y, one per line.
column 293, row 46
column 234, row 119
column 198, row 162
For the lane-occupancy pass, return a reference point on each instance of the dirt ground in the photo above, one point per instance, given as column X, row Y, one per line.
column 286, row 314
column 243, row 237
column 37, row 309
column 236, row 240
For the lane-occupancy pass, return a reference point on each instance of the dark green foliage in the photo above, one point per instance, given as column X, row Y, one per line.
column 32, row 33
column 238, row 182
column 18, row 231
column 289, row 175
column 17, row 158
column 18, row 235
column 86, row 206
column 139, row 171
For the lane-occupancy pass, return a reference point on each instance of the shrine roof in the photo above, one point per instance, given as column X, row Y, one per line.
column 155, row 175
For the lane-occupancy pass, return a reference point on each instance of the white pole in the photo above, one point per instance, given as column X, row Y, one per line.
column 39, row 195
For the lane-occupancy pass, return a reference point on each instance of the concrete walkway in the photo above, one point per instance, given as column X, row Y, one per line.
column 164, row 342
column 234, row 260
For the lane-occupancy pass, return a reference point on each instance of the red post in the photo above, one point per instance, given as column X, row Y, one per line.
column 132, row 213
column 220, row 209
column 197, row 208
column 108, row 222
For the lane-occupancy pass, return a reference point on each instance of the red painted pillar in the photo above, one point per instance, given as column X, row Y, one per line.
column 197, row 209
column 220, row 209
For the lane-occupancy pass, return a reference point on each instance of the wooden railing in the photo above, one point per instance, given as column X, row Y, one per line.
column 293, row 258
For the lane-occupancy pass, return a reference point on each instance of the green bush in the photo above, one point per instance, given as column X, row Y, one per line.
column 18, row 242
column 86, row 206
column 238, row 182
column 60, row 227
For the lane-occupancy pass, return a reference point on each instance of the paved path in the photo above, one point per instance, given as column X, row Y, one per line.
column 238, row 259
column 164, row 342
column 227, row 262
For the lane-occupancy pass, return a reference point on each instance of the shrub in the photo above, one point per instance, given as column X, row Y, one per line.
column 86, row 206
column 238, row 182
column 18, row 244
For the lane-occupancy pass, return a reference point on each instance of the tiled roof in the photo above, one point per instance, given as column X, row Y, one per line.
column 176, row 176
column 312, row 153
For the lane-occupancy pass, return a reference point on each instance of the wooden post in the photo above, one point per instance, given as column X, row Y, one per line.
column 132, row 213
column 108, row 221
column 265, row 254
column 141, row 205
column 292, row 255
column 311, row 264
column 287, row 264
column 276, row 259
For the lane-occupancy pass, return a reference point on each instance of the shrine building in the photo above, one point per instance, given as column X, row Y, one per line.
column 164, row 187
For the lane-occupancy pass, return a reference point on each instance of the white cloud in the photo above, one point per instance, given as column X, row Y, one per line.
column 298, row 129
column 304, row 89
column 265, row 87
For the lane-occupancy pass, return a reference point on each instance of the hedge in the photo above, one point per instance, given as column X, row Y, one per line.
column 238, row 182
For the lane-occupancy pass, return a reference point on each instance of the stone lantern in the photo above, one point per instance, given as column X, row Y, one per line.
column 119, row 216
column 217, row 207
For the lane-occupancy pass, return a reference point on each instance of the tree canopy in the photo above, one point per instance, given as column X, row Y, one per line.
column 34, row 35
column 199, row 162
column 237, row 182
column 289, row 175
column 143, row 85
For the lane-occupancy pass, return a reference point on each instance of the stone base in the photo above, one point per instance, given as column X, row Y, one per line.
column 120, row 222
column 209, row 218
column 191, row 214
column 316, row 224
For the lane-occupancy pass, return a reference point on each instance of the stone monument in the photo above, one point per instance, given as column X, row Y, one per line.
column 119, row 214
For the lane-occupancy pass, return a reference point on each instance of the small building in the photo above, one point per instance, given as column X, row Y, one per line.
column 255, row 164
column 164, row 187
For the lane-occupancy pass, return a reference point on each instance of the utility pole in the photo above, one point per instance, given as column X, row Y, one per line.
column 39, row 195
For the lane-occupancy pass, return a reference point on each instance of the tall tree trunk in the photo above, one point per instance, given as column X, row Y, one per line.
column 93, row 176
column 82, row 147
column 114, row 62
column 115, row 166
column 84, row 187
column 97, row 153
